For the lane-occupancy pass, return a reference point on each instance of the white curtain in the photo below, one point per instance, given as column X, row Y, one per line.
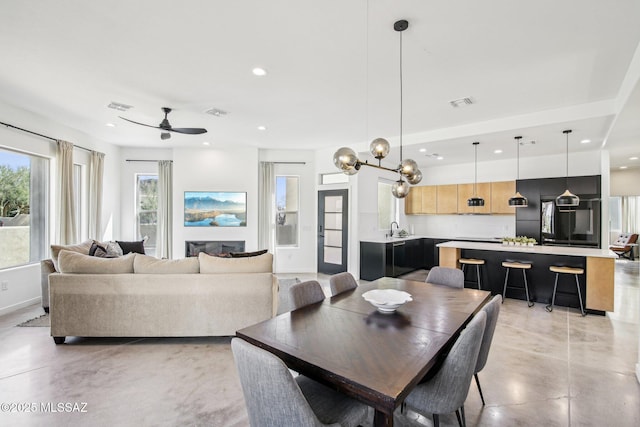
column 66, row 210
column 630, row 214
column 266, row 218
column 96, row 173
column 164, row 235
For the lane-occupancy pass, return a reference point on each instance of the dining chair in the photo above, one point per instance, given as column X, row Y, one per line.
column 305, row 293
column 448, row 389
column 342, row 282
column 274, row 398
column 452, row 277
column 492, row 309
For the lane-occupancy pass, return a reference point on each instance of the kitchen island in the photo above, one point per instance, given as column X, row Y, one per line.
column 596, row 284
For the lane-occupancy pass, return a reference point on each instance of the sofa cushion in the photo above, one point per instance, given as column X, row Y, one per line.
column 128, row 247
column 247, row 254
column 151, row 265
column 257, row 264
column 73, row 262
column 82, row 248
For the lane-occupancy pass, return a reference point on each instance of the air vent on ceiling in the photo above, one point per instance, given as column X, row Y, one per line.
column 119, row 106
column 216, row 112
column 532, row 142
column 462, row 102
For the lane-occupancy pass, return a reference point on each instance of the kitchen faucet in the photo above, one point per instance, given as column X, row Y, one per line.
column 397, row 226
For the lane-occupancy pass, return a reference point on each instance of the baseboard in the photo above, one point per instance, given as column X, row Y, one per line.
column 23, row 304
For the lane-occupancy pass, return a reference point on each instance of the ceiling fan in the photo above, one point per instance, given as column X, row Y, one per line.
column 166, row 126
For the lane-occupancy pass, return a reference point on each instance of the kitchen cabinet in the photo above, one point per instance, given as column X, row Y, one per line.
column 413, row 201
column 390, row 258
column 447, row 199
column 465, row 192
column 429, row 199
column 501, row 192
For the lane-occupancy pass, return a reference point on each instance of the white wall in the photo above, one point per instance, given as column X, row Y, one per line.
column 24, row 282
column 625, row 182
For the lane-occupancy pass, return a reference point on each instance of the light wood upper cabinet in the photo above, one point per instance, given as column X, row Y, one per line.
column 465, row 192
column 413, row 201
column 501, row 191
column 429, row 199
column 447, row 196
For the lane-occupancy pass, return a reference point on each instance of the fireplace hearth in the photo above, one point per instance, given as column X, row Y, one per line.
column 212, row 247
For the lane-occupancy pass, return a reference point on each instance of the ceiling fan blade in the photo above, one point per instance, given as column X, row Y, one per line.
column 138, row 123
column 190, row 131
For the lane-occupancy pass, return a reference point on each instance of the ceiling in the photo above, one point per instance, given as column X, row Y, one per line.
column 531, row 68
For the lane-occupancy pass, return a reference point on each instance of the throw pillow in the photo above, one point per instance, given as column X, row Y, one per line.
column 73, row 262
column 144, row 264
column 113, row 249
column 82, row 248
column 98, row 250
column 247, row 254
column 258, row 264
column 128, row 247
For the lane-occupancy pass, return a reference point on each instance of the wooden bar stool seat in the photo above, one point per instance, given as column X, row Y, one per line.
column 558, row 269
column 477, row 263
column 522, row 266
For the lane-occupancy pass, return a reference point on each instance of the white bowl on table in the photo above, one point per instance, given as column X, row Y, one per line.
column 386, row 300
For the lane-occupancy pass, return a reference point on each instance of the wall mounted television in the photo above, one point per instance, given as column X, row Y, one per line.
column 215, row 209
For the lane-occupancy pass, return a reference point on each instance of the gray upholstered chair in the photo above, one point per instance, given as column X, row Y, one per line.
column 275, row 399
column 342, row 282
column 446, row 276
column 448, row 389
column 305, row 293
column 492, row 309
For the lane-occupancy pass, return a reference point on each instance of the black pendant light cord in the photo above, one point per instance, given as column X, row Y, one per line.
column 475, row 175
column 400, row 96
column 567, row 132
column 518, row 157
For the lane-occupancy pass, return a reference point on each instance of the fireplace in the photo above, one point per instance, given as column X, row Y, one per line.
column 212, row 247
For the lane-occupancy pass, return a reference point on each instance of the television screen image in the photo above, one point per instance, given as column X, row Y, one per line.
column 215, row 209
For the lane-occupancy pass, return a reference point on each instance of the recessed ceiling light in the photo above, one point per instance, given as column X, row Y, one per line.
column 262, row 128
column 633, row 158
column 423, row 150
column 439, row 157
column 623, row 167
column 259, row 72
column 111, row 125
column 585, row 141
column 206, row 143
column 497, row 151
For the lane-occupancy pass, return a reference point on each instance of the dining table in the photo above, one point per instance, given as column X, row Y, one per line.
column 377, row 358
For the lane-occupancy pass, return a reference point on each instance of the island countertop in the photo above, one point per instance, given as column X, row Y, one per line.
column 536, row 249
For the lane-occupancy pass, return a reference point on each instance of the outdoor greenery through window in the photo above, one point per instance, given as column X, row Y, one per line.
column 147, row 210
column 23, row 208
column 287, row 205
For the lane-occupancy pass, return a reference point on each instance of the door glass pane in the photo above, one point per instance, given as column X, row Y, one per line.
column 333, row 238
column 333, row 221
column 333, row 204
column 332, row 255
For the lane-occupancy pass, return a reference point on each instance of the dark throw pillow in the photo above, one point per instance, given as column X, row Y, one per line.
column 128, row 247
column 98, row 250
column 247, row 254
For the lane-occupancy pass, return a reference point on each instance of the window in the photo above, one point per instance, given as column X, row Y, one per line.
column 24, row 183
column 81, row 228
column 287, row 205
column 334, row 178
column 147, row 210
column 615, row 213
column 387, row 206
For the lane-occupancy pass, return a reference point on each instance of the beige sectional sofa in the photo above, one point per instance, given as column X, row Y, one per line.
column 141, row 296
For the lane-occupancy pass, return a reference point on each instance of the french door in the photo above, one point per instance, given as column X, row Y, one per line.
column 332, row 231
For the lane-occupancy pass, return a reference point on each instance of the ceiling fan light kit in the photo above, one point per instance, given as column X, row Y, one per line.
column 166, row 126
column 567, row 200
column 347, row 160
column 518, row 200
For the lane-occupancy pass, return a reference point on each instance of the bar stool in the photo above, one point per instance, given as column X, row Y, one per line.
column 477, row 263
column 520, row 265
column 566, row 270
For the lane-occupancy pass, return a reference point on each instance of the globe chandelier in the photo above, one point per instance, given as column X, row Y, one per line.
column 347, row 160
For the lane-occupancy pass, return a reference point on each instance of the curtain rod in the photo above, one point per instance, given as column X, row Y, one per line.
column 40, row 135
column 147, row 160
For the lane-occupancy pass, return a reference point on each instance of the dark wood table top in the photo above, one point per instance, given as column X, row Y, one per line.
column 376, row 358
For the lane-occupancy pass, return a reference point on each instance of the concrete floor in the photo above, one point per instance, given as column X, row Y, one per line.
column 551, row 369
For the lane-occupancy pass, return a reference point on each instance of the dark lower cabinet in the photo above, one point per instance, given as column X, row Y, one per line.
column 391, row 259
